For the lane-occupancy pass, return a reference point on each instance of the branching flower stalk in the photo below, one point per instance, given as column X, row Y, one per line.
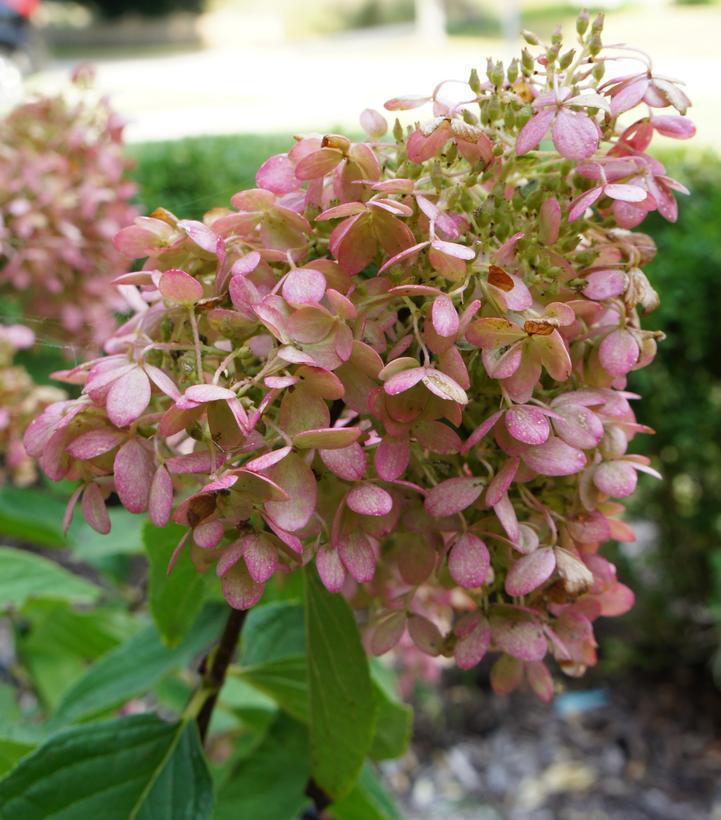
column 405, row 361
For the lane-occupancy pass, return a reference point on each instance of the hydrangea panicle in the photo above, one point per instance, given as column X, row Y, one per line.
column 405, row 361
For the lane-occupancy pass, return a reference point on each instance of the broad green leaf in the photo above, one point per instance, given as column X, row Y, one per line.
column 367, row 801
column 125, row 536
column 137, row 768
column 175, row 599
column 24, row 576
column 273, row 632
column 32, row 515
column 284, row 680
column 134, row 667
column 57, row 643
column 270, row 783
column 342, row 708
column 394, row 722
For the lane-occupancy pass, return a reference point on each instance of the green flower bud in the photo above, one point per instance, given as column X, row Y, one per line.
column 582, row 22
column 531, row 38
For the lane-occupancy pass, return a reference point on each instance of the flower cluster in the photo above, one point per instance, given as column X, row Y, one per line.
column 64, row 193
column 21, row 400
column 404, row 360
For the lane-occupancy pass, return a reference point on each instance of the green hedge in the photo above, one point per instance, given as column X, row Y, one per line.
column 677, row 620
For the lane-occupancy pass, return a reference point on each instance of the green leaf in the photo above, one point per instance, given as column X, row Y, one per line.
column 125, row 536
column 272, row 632
column 57, row 643
column 342, row 708
column 284, row 680
column 270, row 783
column 137, row 767
column 367, row 801
column 175, row 599
column 394, row 722
column 24, row 575
column 134, row 667
column 32, row 515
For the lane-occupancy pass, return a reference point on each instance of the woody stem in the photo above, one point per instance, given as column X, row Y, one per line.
column 215, row 666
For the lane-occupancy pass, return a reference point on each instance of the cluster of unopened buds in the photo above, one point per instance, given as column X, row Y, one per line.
column 404, row 360
column 64, row 193
column 21, row 400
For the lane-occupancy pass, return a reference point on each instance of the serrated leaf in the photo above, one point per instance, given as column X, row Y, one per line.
column 25, row 576
column 137, row 767
column 342, row 708
column 270, row 783
column 134, row 667
column 175, row 599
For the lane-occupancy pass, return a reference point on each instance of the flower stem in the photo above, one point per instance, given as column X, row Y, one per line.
column 215, row 666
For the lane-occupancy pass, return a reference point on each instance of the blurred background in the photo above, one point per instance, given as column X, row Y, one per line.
column 208, row 91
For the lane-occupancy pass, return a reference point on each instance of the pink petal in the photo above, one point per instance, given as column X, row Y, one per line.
column 474, row 638
column 444, row 316
column 239, row 589
column 506, row 675
column 549, row 221
column 277, row 174
column 679, row 128
column 370, row 499
column 94, row 510
column 554, row 355
column 444, row 386
column 318, row 164
column 618, row 352
column 133, row 471
column 391, row 457
column 629, row 96
column 604, row 284
column 128, row 397
column 201, row 234
column 530, row 572
column 519, row 637
column 555, row 458
column 578, row 426
column 615, row 478
column 95, row 443
column 506, row 514
column 357, row 555
column 348, row 463
column 534, row 131
column 453, row 496
column 501, row 482
column 527, row 423
column 575, row 135
column 469, row 561
column 425, row 634
column 200, row 393
column 330, row 569
column 180, row 287
column 209, row 534
column 303, row 286
column 584, row 201
column 160, row 500
column 260, row 557
column 386, row 632
column 298, row 481
column 626, row 193
column 373, row 123
column 540, row 680
column 328, row 438
column 405, row 380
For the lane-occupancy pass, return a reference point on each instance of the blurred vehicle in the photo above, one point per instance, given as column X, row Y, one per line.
column 20, row 41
